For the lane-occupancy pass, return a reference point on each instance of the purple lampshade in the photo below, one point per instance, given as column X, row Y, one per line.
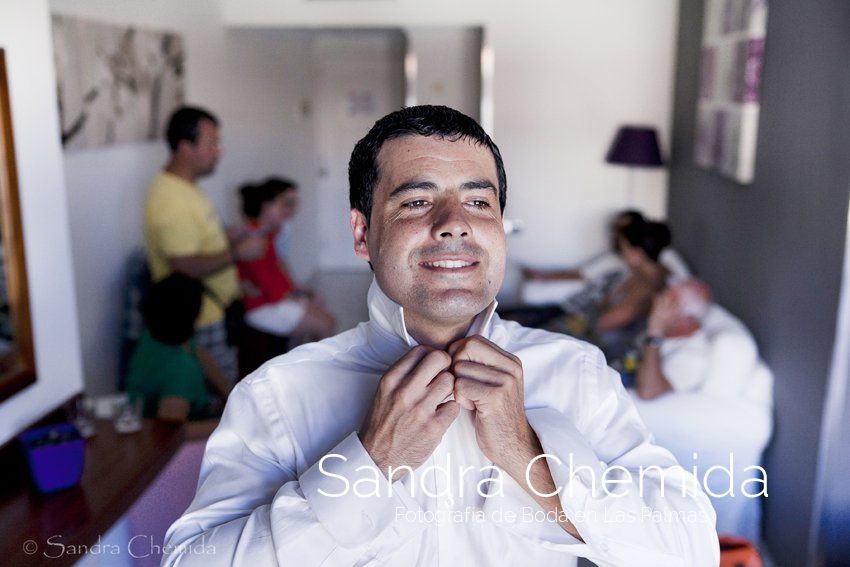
column 635, row 146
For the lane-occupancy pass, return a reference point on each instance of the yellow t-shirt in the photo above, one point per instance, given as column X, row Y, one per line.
column 181, row 221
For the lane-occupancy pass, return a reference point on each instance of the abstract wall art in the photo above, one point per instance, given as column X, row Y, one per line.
column 116, row 85
column 730, row 79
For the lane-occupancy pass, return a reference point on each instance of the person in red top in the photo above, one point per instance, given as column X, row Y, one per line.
column 273, row 303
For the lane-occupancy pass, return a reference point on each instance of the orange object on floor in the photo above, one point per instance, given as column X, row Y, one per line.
column 738, row 552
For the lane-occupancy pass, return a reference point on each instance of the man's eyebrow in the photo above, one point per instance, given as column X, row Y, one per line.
column 480, row 184
column 413, row 186
column 430, row 186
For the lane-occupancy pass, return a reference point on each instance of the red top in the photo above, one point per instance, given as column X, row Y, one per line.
column 263, row 281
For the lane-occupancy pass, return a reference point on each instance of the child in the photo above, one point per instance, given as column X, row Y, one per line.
column 273, row 304
column 168, row 371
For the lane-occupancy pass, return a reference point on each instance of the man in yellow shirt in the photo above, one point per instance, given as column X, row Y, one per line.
column 183, row 232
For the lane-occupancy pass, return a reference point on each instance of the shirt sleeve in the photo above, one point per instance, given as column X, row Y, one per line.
column 628, row 498
column 253, row 508
column 685, row 362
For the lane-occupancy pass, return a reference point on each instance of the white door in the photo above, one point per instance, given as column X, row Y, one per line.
column 359, row 78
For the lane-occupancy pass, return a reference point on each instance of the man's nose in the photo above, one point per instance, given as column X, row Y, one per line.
column 451, row 222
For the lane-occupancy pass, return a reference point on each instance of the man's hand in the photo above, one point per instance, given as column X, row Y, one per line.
column 665, row 312
column 408, row 416
column 249, row 248
column 249, row 289
column 489, row 380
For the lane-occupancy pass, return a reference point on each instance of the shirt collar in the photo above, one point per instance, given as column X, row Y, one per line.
column 389, row 316
column 182, row 181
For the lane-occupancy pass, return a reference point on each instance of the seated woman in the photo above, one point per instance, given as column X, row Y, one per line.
column 608, row 264
column 273, row 303
column 168, row 371
column 621, row 315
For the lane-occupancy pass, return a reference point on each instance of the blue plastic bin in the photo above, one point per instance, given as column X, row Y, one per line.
column 56, row 454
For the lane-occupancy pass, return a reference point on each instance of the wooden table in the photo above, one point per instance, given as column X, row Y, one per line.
column 34, row 526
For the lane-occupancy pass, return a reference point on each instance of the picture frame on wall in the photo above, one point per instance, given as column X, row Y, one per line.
column 17, row 355
column 115, row 84
column 727, row 114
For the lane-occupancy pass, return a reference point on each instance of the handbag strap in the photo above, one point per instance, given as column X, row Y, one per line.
column 215, row 297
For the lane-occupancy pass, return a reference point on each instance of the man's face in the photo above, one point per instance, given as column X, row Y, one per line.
column 436, row 239
column 692, row 299
column 206, row 151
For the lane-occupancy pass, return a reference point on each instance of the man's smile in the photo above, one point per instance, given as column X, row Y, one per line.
column 450, row 265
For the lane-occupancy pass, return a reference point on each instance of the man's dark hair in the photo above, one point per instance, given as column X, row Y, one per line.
column 426, row 120
column 253, row 196
column 170, row 307
column 651, row 237
column 183, row 125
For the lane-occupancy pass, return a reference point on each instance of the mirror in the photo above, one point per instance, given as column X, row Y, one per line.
column 17, row 360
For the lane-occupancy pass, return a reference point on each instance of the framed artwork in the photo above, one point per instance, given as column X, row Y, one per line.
column 115, row 84
column 730, row 79
column 17, row 357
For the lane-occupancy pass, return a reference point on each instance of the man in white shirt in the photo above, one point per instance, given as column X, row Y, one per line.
column 676, row 349
column 415, row 438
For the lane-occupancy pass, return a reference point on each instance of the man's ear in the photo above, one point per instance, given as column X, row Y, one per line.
column 359, row 230
column 184, row 148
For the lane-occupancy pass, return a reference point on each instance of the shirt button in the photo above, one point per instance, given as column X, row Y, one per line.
column 449, row 502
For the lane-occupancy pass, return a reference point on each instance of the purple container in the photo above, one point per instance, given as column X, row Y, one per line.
column 56, row 454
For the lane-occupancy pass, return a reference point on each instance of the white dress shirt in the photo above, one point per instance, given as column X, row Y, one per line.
column 685, row 361
column 259, row 502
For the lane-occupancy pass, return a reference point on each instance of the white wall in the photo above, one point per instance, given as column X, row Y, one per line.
column 256, row 82
column 448, row 66
column 360, row 61
column 567, row 74
column 24, row 34
column 349, row 64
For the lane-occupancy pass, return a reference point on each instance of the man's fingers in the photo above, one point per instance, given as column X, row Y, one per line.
column 439, row 389
column 426, row 369
column 481, row 372
column 404, row 365
column 478, row 349
column 446, row 413
column 471, row 393
column 475, row 344
column 464, row 402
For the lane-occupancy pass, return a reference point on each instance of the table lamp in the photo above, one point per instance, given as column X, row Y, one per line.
column 635, row 146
